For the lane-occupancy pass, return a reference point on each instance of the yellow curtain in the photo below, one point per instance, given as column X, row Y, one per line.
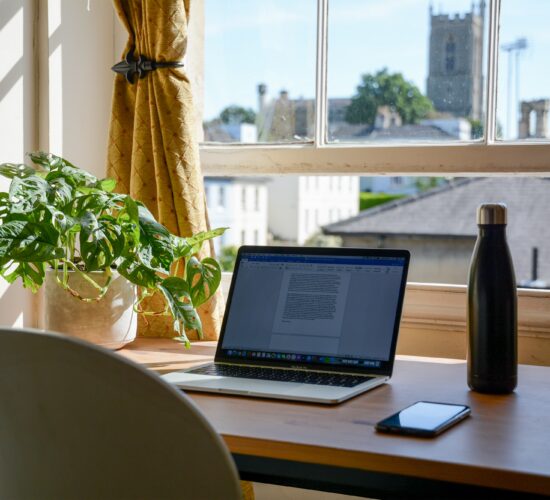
column 153, row 153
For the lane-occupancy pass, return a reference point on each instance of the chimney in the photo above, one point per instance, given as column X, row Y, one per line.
column 535, row 264
column 262, row 90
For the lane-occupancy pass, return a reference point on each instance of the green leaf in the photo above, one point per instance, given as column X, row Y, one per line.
column 61, row 193
column 95, row 201
column 12, row 170
column 29, row 242
column 156, row 245
column 5, row 205
column 101, row 242
column 128, row 218
column 176, row 292
column 184, row 247
column 74, row 176
column 31, row 274
column 26, row 193
column 203, row 278
column 137, row 273
column 46, row 160
column 62, row 222
column 106, row 185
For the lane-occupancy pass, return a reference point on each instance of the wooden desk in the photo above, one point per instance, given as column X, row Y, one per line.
column 504, row 446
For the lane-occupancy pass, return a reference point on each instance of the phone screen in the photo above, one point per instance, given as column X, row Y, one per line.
column 424, row 418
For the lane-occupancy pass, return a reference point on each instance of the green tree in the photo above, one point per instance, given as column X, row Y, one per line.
column 237, row 114
column 227, row 257
column 385, row 89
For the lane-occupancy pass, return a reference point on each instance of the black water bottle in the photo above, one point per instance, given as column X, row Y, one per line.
column 492, row 307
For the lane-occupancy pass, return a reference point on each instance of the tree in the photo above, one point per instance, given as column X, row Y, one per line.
column 385, row 89
column 237, row 114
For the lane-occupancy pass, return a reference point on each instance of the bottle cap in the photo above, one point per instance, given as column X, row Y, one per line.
column 492, row 213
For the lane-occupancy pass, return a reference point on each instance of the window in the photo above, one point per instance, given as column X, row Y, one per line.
column 257, row 199
column 479, row 143
column 473, row 146
column 243, row 198
column 450, row 55
column 221, row 196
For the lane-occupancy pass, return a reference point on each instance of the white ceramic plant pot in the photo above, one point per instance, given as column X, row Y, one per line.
column 110, row 322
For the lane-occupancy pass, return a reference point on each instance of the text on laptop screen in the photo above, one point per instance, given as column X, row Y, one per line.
column 336, row 310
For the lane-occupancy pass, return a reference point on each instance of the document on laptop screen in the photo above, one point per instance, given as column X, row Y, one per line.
column 343, row 306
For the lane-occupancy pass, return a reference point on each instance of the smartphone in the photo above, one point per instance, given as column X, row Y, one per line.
column 424, row 418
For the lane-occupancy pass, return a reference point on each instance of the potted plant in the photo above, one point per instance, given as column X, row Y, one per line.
column 91, row 247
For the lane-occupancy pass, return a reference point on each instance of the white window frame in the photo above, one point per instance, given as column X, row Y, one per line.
column 319, row 157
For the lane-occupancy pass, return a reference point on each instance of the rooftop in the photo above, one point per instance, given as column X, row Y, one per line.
column 450, row 212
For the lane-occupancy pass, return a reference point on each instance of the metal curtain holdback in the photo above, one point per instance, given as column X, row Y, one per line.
column 131, row 66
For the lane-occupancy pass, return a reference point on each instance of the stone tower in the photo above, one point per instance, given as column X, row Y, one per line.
column 455, row 78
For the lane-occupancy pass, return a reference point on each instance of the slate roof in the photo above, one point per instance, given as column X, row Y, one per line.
column 450, row 212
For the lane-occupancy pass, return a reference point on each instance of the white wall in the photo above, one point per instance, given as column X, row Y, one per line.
column 300, row 205
column 55, row 95
column 79, row 86
column 18, row 131
column 283, row 207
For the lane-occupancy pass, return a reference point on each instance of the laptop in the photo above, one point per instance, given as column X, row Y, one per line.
column 306, row 324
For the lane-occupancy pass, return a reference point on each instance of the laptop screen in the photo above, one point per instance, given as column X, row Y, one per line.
column 333, row 309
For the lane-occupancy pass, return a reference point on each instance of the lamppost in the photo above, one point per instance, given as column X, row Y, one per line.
column 514, row 47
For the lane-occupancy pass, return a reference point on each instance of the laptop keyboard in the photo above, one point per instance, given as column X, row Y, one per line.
column 300, row 376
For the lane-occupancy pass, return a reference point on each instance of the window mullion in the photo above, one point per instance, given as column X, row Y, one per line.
column 492, row 72
column 321, row 73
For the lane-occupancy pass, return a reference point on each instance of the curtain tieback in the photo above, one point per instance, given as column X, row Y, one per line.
column 130, row 66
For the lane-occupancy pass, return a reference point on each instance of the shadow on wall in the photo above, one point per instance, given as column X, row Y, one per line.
column 18, row 132
column 18, row 126
column 16, row 306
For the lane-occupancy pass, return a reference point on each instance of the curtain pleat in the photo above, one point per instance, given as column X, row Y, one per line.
column 153, row 153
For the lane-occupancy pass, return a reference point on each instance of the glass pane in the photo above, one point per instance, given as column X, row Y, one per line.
column 406, row 71
column 259, row 70
column 432, row 217
column 523, row 102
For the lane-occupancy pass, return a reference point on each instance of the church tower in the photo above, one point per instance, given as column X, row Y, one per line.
column 455, row 78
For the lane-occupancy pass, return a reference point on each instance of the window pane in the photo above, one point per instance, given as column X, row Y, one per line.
column 523, row 102
column 403, row 71
column 259, row 73
column 433, row 217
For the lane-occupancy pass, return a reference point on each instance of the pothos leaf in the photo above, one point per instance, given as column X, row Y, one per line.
column 29, row 242
column 106, row 185
column 12, row 170
column 31, row 274
column 184, row 247
column 101, row 242
column 47, row 160
column 203, row 278
column 155, row 250
column 176, row 293
column 137, row 273
column 26, row 193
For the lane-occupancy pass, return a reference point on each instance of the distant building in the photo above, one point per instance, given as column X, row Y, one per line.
column 217, row 131
column 540, row 109
column 455, row 79
column 300, row 205
column 239, row 203
column 439, row 227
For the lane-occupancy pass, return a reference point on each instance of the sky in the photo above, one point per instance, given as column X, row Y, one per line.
column 274, row 42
